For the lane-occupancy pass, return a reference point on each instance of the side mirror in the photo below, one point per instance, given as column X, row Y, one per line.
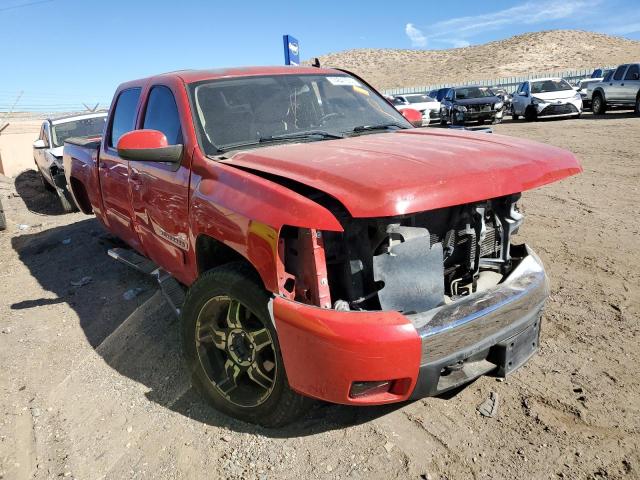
column 413, row 116
column 38, row 144
column 636, row 76
column 148, row 146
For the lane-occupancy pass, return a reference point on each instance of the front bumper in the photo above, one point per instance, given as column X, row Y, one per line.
column 476, row 116
column 559, row 108
column 494, row 331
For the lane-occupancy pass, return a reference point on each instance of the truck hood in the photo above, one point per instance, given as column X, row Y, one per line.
column 413, row 170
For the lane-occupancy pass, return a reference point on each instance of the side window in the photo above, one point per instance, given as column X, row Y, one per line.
column 124, row 114
column 42, row 136
column 633, row 69
column 162, row 114
column 526, row 88
column 607, row 77
column 449, row 95
column 619, row 72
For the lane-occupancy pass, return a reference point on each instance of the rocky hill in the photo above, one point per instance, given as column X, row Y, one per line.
column 530, row 52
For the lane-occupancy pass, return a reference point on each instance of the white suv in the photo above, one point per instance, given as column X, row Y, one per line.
column 47, row 149
column 546, row 97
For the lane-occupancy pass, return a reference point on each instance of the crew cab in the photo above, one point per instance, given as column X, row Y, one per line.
column 47, row 149
column 619, row 90
column 328, row 249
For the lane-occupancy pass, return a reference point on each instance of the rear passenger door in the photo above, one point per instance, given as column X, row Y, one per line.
column 114, row 171
column 160, row 190
column 614, row 90
column 631, row 84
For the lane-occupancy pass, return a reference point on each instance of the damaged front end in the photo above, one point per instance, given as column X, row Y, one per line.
column 409, row 306
column 409, row 264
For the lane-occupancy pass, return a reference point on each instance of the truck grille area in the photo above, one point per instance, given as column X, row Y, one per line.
column 413, row 263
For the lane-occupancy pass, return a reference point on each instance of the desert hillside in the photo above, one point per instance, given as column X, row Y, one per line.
column 531, row 52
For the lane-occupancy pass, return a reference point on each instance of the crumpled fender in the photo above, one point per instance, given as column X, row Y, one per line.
column 246, row 213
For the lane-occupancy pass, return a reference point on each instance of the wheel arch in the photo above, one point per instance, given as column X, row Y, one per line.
column 80, row 195
column 211, row 253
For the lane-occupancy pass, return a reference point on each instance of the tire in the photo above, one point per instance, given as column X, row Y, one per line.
column 530, row 114
column 637, row 109
column 3, row 220
column 598, row 104
column 515, row 116
column 231, row 348
column 443, row 119
column 67, row 202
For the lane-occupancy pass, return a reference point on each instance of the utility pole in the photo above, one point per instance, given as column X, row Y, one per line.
column 89, row 108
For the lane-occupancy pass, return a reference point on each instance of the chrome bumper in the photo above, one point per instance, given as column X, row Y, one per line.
column 483, row 319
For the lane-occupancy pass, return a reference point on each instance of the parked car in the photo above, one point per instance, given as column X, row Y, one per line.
column 47, row 149
column 582, row 87
column 427, row 106
column 620, row 90
column 505, row 96
column 546, row 97
column 471, row 104
column 329, row 249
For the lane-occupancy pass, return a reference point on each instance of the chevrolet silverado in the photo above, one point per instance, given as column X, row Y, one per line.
column 326, row 249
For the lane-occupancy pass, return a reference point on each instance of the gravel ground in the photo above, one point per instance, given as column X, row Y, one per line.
column 92, row 385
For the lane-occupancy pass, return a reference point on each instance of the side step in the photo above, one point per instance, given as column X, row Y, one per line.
column 172, row 290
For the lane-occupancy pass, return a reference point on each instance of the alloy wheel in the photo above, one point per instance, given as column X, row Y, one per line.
column 236, row 351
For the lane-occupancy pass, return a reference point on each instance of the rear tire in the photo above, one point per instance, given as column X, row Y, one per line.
column 598, row 105
column 637, row 109
column 224, row 315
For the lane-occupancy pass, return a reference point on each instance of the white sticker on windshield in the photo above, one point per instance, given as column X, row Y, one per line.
column 344, row 81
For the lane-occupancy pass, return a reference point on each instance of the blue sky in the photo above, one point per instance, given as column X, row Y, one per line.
column 64, row 52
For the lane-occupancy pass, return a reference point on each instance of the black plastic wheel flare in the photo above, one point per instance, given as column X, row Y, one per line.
column 236, row 351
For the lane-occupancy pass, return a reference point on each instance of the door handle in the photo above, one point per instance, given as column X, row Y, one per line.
column 622, row 84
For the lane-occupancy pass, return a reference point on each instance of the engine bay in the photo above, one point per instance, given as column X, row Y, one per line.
column 409, row 263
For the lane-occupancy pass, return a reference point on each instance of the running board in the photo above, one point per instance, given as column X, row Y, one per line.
column 172, row 291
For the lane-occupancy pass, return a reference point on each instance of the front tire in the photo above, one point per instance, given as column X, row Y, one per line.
column 3, row 220
column 637, row 109
column 68, row 205
column 232, row 351
column 598, row 105
column 530, row 114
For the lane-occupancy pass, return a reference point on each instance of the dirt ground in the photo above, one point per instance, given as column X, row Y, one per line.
column 92, row 385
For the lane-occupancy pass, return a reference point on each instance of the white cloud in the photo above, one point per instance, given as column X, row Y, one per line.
column 527, row 13
column 459, row 43
column 415, row 35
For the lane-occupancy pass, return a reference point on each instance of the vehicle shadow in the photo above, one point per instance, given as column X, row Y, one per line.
column 34, row 195
column 139, row 338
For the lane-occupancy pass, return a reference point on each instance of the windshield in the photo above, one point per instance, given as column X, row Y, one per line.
column 398, row 101
column 85, row 127
column 419, row 99
column 545, row 86
column 244, row 111
column 473, row 92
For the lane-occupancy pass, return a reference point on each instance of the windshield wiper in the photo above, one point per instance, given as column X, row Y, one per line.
column 381, row 126
column 303, row 134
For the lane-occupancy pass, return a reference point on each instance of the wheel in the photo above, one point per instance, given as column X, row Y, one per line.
column 637, row 109
column 231, row 348
column 3, row 220
column 530, row 114
column 515, row 116
column 598, row 105
column 66, row 200
column 443, row 119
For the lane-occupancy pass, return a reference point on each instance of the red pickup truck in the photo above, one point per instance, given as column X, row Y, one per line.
column 328, row 249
